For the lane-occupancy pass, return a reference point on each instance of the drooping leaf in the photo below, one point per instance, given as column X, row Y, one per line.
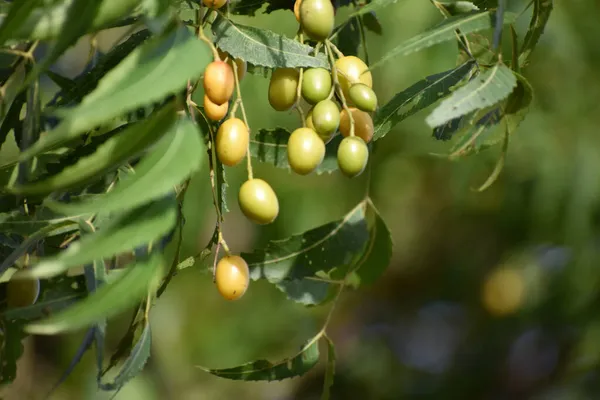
column 541, row 14
column 109, row 156
column 486, row 90
column 135, row 362
column 270, row 146
column 111, row 299
column 371, row 22
column 449, row 129
column 17, row 222
column 263, row 370
column 263, row 47
column 329, row 369
column 151, row 72
column 319, row 249
column 305, row 291
column 65, row 84
column 126, row 232
column 172, row 160
column 11, row 349
column 417, row 97
column 445, row 31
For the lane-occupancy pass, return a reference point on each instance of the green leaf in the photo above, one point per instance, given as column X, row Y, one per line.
column 263, row 47
column 64, row 83
column 459, row 7
column 329, row 369
column 11, row 349
column 151, row 72
column 12, row 120
column 172, row 160
column 445, row 31
column 135, row 362
column 371, row 23
column 348, row 39
column 18, row 13
column 482, row 91
column 11, row 89
column 111, row 299
column 109, row 156
column 319, row 249
column 124, row 233
column 417, row 97
column 374, row 5
column 17, row 222
column 306, row 291
column 263, row 370
column 541, row 14
column 270, row 147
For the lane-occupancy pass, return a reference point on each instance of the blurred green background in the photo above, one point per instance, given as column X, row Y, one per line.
column 491, row 295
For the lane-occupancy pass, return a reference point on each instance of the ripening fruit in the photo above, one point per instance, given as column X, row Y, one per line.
column 503, row 292
column 306, row 151
column 351, row 70
column 283, row 88
column 232, row 141
column 316, row 85
column 258, row 201
column 309, row 121
column 297, row 9
column 363, row 124
column 352, row 156
column 216, row 4
column 326, row 118
column 22, row 292
column 363, row 97
column 213, row 111
column 219, row 82
column 317, row 18
column 242, row 67
column 232, row 277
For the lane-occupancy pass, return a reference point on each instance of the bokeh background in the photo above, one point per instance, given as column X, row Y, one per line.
column 489, row 295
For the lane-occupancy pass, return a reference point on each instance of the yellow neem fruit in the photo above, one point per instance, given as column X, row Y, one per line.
column 283, row 88
column 218, row 82
column 258, row 201
column 232, row 141
column 232, row 277
column 305, row 150
column 351, row 70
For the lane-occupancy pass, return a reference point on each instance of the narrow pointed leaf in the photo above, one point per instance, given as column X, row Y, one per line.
column 151, row 72
column 263, row 370
column 17, row 222
column 329, row 369
column 111, row 299
column 417, row 97
column 65, row 84
column 109, row 156
column 263, row 47
column 125, row 233
column 174, row 158
column 486, row 90
column 11, row 350
column 319, row 249
column 541, row 14
column 445, row 31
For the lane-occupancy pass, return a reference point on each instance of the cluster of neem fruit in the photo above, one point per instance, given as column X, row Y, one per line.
column 342, row 99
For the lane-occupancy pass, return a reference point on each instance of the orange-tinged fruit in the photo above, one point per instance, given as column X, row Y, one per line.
column 213, row 111
column 232, row 141
column 258, row 201
column 305, row 150
column 503, row 292
column 219, row 82
column 242, row 66
column 363, row 124
column 297, row 4
column 232, row 277
column 351, row 70
column 215, row 4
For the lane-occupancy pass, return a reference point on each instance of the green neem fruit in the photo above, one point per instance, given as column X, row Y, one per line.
column 316, row 85
column 258, row 201
column 317, row 18
column 305, row 150
column 363, row 97
column 352, row 156
column 283, row 88
column 326, row 118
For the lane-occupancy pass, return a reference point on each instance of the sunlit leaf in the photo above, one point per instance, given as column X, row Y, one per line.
column 109, row 156
column 459, row 7
column 417, row 97
column 263, row 370
column 485, row 90
column 172, row 160
column 263, row 47
column 111, row 299
column 445, row 31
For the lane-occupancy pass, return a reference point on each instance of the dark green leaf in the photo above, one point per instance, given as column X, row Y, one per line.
column 263, row 370
column 263, row 47
column 485, row 90
column 250, row 7
column 348, row 39
column 270, row 146
column 319, row 249
column 499, row 24
column 374, row 5
column 11, row 89
column 445, row 31
column 178, row 154
column 541, row 14
column 17, row 222
column 12, row 119
column 124, row 233
column 151, row 72
column 111, row 299
column 306, row 291
column 11, row 349
column 109, row 156
column 65, row 84
column 371, row 22
column 135, row 362
column 329, row 369
column 417, row 97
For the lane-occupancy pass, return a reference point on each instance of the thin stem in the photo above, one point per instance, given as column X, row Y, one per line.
column 337, row 85
column 241, row 105
column 337, row 51
column 299, row 96
column 202, row 36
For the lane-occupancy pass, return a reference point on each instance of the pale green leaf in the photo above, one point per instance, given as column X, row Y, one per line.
column 17, row 14
column 172, row 160
column 445, row 31
column 417, row 97
column 485, row 90
column 111, row 299
column 263, row 47
column 154, row 70
column 124, row 233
